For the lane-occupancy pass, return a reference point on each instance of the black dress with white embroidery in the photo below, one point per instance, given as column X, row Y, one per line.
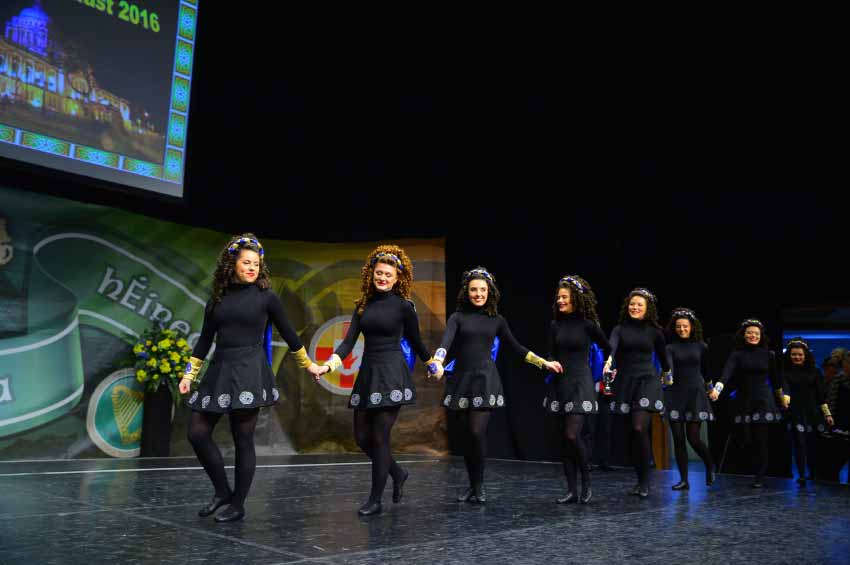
column 637, row 385
column 756, row 373
column 805, row 386
column 239, row 375
column 475, row 384
column 687, row 400
column 570, row 338
column 383, row 379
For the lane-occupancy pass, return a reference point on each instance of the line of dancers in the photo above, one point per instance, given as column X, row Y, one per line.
column 239, row 380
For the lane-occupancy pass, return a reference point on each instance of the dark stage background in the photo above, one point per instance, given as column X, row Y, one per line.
column 707, row 176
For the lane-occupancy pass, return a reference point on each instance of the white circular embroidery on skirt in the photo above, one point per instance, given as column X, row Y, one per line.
column 587, row 405
column 246, row 397
column 801, row 428
column 756, row 417
column 659, row 405
column 408, row 394
column 769, row 417
column 747, row 419
column 500, row 401
column 355, row 399
column 674, row 414
column 493, row 400
column 568, row 407
column 396, row 396
column 703, row 415
column 224, row 400
column 205, row 401
column 688, row 415
column 194, row 397
column 477, row 401
column 644, row 402
column 545, row 401
column 448, row 399
column 624, row 408
column 275, row 394
column 463, row 402
column 737, row 419
column 554, row 406
column 375, row 398
column 821, row 427
column 265, row 395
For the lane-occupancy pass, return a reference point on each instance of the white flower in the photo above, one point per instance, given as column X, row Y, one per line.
column 246, row 397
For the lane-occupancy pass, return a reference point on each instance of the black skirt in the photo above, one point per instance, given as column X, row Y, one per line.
column 756, row 406
column 636, row 393
column 474, row 388
column 571, row 393
column 805, row 415
column 688, row 402
column 238, row 378
column 383, row 381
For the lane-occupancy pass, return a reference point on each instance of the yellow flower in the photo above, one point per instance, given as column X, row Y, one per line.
column 153, row 348
column 165, row 368
column 181, row 343
column 174, row 356
column 148, row 343
column 165, row 344
column 151, row 363
column 138, row 348
column 141, row 374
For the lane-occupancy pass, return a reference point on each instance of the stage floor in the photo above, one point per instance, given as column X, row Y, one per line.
column 302, row 509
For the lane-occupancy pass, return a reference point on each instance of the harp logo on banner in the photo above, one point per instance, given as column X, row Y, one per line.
column 7, row 252
column 114, row 417
column 326, row 339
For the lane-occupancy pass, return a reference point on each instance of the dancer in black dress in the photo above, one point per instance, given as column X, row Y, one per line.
column 384, row 314
column 239, row 380
column 809, row 413
column 572, row 395
column 475, row 387
column 753, row 365
column 687, row 401
column 637, row 386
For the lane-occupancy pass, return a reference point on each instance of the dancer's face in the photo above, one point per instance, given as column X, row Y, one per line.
column 385, row 277
column 683, row 328
column 798, row 356
column 752, row 335
column 247, row 267
column 565, row 301
column 478, row 291
column 637, row 307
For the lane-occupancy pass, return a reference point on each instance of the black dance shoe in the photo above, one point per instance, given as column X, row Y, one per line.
column 709, row 477
column 230, row 514
column 398, row 487
column 568, row 498
column 681, row 485
column 635, row 491
column 642, row 492
column 479, row 496
column 370, row 508
column 215, row 504
column 466, row 496
column 586, row 494
column 758, row 484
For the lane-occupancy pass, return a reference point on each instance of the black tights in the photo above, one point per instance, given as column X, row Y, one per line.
column 575, row 452
column 758, row 433
column 242, row 424
column 800, row 447
column 640, row 429
column 678, row 429
column 475, row 422
column 372, row 429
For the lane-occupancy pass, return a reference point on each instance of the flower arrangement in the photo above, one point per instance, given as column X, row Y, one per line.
column 160, row 356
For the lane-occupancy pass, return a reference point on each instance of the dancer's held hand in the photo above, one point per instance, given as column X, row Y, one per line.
column 315, row 371
column 435, row 370
column 713, row 395
column 830, row 422
column 185, row 385
column 553, row 366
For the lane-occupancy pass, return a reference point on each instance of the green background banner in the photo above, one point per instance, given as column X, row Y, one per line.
column 81, row 282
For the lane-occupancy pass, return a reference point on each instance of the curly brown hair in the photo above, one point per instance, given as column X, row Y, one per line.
column 798, row 343
column 226, row 265
column 682, row 313
column 651, row 307
column 491, row 307
column 581, row 295
column 741, row 343
column 394, row 256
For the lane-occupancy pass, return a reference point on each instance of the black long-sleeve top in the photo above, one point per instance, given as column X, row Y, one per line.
column 469, row 337
column 751, row 367
column 386, row 317
column 805, row 384
column 689, row 360
column 240, row 319
column 632, row 344
column 570, row 337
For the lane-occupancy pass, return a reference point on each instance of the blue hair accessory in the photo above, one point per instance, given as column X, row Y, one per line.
column 384, row 256
column 236, row 245
column 574, row 282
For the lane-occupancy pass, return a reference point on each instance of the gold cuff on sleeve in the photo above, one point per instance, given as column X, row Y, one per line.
column 302, row 358
column 533, row 359
column 193, row 367
column 334, row 362
column 825, row 409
